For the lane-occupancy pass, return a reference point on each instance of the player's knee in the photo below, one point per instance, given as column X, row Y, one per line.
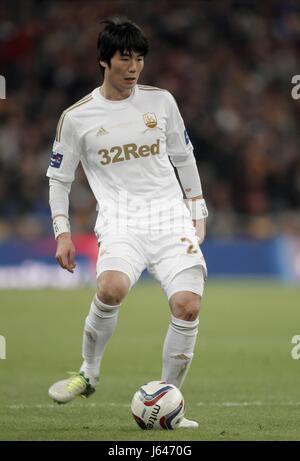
column 185, row 305
column 111, row 294
column 112, row 287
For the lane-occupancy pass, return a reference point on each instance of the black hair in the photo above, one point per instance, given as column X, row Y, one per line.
column 120, row 35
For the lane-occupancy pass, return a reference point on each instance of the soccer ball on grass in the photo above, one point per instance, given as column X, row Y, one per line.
column 157, row 405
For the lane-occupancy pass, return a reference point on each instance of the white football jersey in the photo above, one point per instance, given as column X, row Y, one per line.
column 125, row 149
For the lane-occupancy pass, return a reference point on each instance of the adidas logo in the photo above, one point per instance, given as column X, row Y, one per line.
column 102, row 131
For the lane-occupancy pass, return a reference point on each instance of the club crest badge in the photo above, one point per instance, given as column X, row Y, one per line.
column 150, row 120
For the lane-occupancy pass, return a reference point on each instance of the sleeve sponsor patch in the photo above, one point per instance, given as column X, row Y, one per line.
column 186, row 137
column 56, row 159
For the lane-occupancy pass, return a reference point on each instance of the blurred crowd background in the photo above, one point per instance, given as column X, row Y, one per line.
column 228, row 63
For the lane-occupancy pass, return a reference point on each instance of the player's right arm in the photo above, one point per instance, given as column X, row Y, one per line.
column 59, row 204
column 64, row 161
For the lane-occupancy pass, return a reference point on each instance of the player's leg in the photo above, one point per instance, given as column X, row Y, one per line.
column 180, row 268
column 112, row 287
column 100, row 323
column 184, row 294
column 119, row 266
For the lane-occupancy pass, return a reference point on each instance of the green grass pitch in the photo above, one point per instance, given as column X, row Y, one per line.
column 243, row 383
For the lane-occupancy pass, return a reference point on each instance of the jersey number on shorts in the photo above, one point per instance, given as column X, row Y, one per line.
column 191, row 247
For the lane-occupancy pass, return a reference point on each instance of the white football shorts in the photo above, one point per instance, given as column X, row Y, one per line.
column 166, row 256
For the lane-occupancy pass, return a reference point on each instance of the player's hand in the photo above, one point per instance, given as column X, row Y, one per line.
column 65, row 252
column 200, row 226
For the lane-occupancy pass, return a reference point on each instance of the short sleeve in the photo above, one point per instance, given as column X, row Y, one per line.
column 66, row 151
column 179, row 146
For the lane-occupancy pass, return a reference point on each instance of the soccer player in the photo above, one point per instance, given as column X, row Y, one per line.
column 125, row 135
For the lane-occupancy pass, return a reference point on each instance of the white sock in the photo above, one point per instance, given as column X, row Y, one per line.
column 178, row 350
column 98, row 328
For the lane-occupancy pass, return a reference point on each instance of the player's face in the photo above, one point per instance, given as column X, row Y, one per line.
column 124, row 71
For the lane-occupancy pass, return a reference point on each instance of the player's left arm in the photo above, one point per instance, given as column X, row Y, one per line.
column 200, row 222
column 181, row 153
column 190, row 181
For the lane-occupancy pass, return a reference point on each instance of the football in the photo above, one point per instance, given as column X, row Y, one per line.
column 157, row 405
